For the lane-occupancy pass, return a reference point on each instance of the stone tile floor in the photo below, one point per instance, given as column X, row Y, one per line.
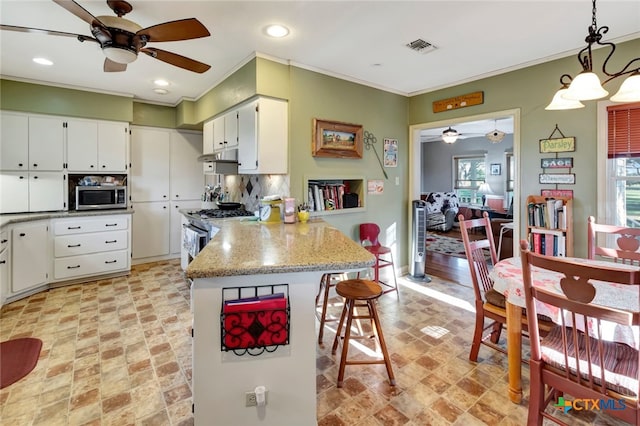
column 118, row 352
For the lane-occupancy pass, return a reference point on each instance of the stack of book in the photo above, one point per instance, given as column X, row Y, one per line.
column 326, row 195
column 550, row 214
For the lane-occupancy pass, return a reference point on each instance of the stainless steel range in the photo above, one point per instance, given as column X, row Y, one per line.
column 201, row 227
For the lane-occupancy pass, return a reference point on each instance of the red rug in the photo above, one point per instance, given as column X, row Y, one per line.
column 17, row 358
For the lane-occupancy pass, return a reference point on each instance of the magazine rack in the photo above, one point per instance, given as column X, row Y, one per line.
column 255, row 319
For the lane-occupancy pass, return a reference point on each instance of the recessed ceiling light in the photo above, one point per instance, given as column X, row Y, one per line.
column 42, row 61
column 277, row 31
column 160, row 91
column 160, row 82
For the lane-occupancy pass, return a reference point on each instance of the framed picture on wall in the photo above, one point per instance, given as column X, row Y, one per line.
column 496, row 169
column 337, row 140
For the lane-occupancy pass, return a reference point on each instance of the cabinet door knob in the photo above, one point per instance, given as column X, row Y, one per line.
column 177, row 207
column 177, row 196
column 91, row 166
column 35, row 177
column 2, row 262
column 22, row 234
column 19, row 164
column 3, row 241
column 164, row 196
column 35, row 165
column 104, row 166
column 21, row 177
column 164, row 207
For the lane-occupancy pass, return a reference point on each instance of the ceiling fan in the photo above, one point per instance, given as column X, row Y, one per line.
column 121, row 39
column 449, row 135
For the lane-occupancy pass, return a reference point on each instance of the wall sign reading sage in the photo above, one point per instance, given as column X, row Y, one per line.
column 558, row 145
column 558, row 178
column 556, row 163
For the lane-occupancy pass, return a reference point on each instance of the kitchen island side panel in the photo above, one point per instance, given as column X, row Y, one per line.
column 289, row 374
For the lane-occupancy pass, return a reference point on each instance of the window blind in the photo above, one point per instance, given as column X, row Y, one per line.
column 623, row 139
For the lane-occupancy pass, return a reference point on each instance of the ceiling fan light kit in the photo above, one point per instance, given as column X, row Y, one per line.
column 450, row 135
column 586, row 85
column 121, row 39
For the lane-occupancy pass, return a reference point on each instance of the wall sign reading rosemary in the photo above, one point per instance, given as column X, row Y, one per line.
column 558, row 178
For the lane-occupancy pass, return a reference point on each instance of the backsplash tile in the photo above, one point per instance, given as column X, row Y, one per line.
column 248, row 189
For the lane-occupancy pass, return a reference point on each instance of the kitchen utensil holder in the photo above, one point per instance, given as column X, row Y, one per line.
column 250, row 330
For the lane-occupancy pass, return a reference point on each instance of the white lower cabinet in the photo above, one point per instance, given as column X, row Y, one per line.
column 30, row 256
column 4, row 265
column 151, row 224
column 91, row 246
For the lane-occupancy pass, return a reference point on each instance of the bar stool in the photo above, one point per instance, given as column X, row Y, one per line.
column 365, row 292
column 384, row 257
column 326, row 283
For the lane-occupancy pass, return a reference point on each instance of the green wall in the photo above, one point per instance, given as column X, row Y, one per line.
column 383, row 114
column 37, row 98
column 531, row 90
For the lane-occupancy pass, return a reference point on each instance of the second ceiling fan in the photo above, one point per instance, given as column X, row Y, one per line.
column 121, row 39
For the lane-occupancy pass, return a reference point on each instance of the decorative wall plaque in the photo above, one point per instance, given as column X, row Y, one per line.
column 558, row 178
column 556, row 163
column 470, row 99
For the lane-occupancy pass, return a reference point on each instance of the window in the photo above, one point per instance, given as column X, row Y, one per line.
column 623, row 164
column 470, row 172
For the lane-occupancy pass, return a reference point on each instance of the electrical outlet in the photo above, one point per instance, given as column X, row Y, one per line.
column 250, row 399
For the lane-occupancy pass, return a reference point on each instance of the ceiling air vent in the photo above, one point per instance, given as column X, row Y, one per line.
column 421, row 46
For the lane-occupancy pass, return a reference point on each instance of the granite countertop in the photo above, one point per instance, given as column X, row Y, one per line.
column 9, row 218
column 254, row 248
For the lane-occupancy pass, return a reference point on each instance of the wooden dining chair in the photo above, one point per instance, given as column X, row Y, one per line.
column 490, row 304
column 618, row 243
column 582, row 365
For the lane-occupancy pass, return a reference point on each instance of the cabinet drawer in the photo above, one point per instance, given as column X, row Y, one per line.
column 97, row 224
column 73, row 245
column 90, row 264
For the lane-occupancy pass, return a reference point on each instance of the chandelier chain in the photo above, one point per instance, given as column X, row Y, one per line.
column 593, row 16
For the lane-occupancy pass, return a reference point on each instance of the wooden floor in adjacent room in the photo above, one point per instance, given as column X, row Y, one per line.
column 450, row 268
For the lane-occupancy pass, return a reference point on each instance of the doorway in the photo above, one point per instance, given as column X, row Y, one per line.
column 427, row 132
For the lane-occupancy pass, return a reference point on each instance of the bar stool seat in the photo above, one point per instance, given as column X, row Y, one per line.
column 360, row 294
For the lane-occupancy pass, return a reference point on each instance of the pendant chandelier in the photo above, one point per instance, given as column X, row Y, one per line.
column 586, row 85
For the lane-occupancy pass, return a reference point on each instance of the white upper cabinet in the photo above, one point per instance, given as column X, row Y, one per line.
column 263, row 137
column 150, row 159
column 31, row 142
column 207, row 137
column 14, row 142
column 46, row 143
column 113, row 140
column 47, row 191
column 82, row 145
column 187, row 180
column 97, row 146
column 225, row 131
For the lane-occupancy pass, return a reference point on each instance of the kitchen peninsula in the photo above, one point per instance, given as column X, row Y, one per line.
column 242, row 258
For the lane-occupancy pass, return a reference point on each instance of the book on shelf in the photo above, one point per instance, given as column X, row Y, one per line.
column 326, row 195
column 550, row 214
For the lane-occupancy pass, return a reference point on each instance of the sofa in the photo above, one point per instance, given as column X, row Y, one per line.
column 442, row 209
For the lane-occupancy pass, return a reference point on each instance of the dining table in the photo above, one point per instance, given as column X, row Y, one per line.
column 508, row 280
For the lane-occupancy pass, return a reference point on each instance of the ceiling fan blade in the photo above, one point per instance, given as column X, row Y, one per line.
column 177, row 60
column 46, row 32
column 80, row 12
column 183, row 29
column 112, row 66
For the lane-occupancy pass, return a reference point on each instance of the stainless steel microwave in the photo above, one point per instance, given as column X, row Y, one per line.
column 101, row 197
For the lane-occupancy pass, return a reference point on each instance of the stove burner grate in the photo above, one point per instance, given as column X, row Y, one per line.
column 219, row 213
